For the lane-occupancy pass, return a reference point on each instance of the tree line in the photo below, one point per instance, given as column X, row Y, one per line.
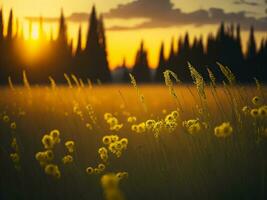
column 60, row 56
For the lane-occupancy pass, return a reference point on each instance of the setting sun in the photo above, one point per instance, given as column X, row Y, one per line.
column 35, row 32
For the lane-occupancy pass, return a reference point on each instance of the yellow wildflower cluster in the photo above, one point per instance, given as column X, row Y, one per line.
column 257, row 101
column 91, row 113
column 70, row 145
column 194, row 126
column 15, row 155
column 13, row 125
column 67, row 159
column 97, row 170
column 52, row 170
column 103, row 153
column 259, row 111
column 139, row 128
column 169, row 123
column 46, row 157
column 15, row 158
column 113, row 122
column 131, row 119
column 224, row 130
column 50, row 140
column 14, row 145
column 122, row 175
column 6, row 118
column 115, row 145
column 110, row 185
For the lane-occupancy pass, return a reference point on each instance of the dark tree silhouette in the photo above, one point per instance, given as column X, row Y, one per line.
column 162, row 65
column 141, row 69
column 10, row 26
column 94, row 64
column 60, row 57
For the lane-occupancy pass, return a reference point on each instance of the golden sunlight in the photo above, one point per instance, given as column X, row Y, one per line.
column 35, row 32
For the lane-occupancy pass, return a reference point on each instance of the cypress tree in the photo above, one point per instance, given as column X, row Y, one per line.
column 10, row 26
column 141, row 70
column 161, row 65
column 251, row 53
column 1, row 25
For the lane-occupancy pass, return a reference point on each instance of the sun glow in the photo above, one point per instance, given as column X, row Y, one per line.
column 35, row 33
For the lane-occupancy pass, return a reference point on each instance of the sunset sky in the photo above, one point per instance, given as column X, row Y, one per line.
column 154, row 21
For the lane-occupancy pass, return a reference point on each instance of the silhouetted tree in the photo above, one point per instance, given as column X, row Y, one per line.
column 141, row 70
column 79, row 42
column 1, row 25
column 161, row 65
column 10, row 26
column 94, row 56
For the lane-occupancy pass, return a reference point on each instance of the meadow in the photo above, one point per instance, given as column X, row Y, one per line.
column 114, row 142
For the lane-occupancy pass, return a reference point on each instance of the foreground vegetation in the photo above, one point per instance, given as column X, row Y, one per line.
column 142, row 142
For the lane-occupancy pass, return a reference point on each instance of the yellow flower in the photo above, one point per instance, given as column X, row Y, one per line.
column 150, row 124
column 141, row 127
column 6, row 118
column 49, row 155
column 254, row 112
column 224, row 130
column 169, row 118
column 39, row 156
column 102, row 150
column 194, row 128
column 102, row 167
column 97, row 171
column 48, row 142
column 107, row 116
column 112, row 121
column 257, row 100
column 134, row 128
column 171, row 125
column 104, row 157
column 112, row 147
column 158, row 125
column 106, row 140
column 124, row 142
column 67, row 159
column 122, row 175
column 131, row 119
column 52, row 170
column 14, row 157
column 118, row 146
column 114, row 138
column 263, row 111
column 70, row 146
column 175, row 114
column 116, row 127
column 55, row 134
column 14, row 144
column 89, row 126
column 246, row 109
column 13, row 125
column 89, row 170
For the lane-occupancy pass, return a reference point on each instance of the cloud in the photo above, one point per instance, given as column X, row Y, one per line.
column 163, row 14
column 74, row 17
column 244, row 2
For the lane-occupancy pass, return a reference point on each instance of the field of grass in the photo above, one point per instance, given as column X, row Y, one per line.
column 177, row 153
